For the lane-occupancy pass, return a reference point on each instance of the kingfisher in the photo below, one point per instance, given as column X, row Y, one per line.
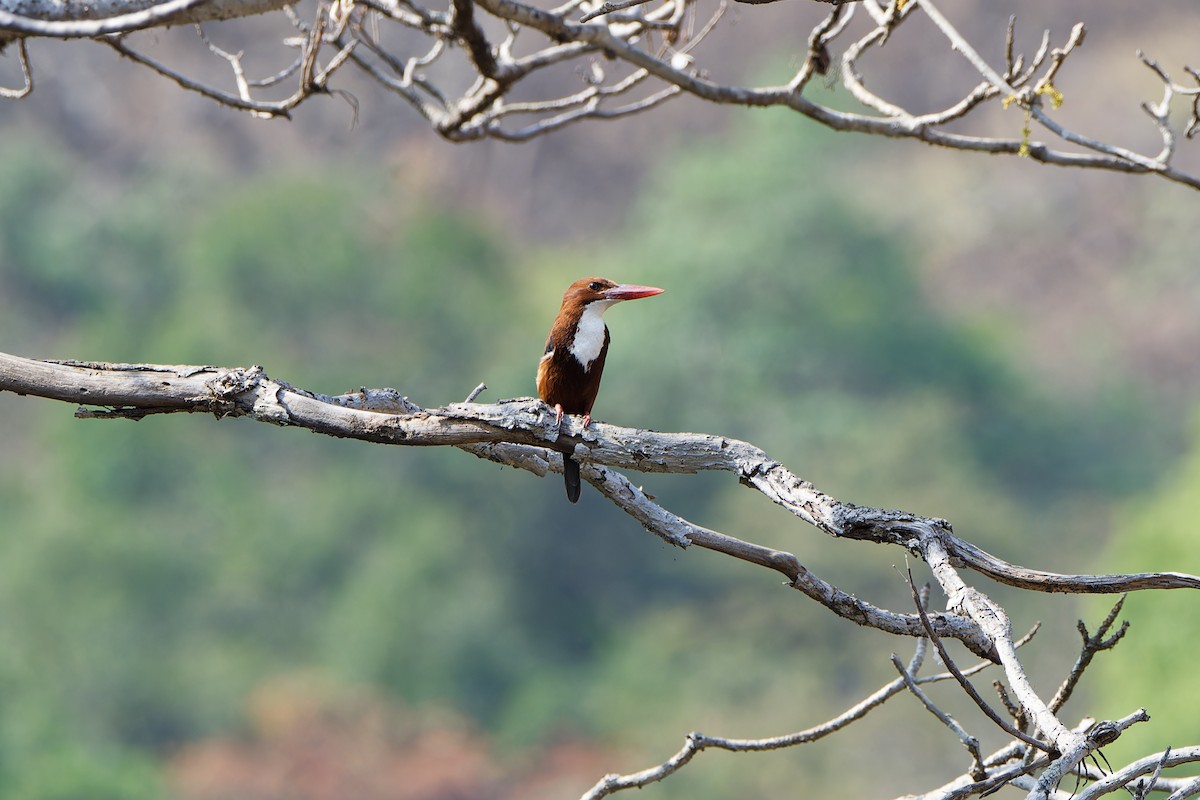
column 568, row 375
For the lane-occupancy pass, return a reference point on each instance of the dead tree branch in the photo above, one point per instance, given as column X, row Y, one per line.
column 522, row 433
column 607, row 60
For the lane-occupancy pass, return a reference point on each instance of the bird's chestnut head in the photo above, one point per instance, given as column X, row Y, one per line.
column 590, row 290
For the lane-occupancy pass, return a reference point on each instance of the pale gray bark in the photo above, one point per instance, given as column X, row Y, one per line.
column 522, row 433
column 67, row 19
column 617, row 59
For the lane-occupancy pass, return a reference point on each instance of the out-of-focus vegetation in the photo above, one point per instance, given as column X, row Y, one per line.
column 159, row 581
column 1157, row 532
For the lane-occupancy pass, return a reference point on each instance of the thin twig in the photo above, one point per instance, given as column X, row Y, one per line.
column 276, row 109
column 695, row 742
column 964, row 48
column 988, row 711
column 26, row 72
column 976, row 770
column 1091, row 646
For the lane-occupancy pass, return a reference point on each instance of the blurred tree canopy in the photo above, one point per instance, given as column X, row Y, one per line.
column 1156, row 530
column 152, row 576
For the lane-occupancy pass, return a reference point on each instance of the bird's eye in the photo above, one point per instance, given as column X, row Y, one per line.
column 595, row 286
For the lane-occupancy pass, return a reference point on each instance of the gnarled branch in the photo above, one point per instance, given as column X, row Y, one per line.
column 587, row 59
column 522, row 433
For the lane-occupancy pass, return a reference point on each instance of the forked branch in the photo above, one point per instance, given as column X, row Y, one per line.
column 523, row 434
column 519, row 69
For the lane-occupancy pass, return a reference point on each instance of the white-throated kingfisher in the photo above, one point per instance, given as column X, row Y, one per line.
column 568, row 375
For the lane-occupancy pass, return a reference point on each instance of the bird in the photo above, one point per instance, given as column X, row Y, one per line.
column 568, row 376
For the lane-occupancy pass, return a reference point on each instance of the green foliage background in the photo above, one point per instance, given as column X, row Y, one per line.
column 153, row 574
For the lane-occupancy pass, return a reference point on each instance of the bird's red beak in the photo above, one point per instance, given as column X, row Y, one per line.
column 629, row 291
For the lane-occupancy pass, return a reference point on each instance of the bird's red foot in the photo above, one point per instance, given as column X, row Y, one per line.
column 587, row 419
column 558, row 413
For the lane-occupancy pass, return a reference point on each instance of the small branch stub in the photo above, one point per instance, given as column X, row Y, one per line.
column 523, row 433
column 592, row 60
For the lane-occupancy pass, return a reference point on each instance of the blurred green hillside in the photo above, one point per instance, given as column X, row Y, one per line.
column 1151, row 670
column 157, row 577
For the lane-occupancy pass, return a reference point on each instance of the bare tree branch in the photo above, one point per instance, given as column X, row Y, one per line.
column 977, row 770
column 632, row 56
column 23, row 57
column 1149, row 765
column 1091, row 646
column 696, row 742
column 311, row 79
column 148, row 16
column 988, row 711
column 522, row 433
column 1189, row 789
column 370, row 415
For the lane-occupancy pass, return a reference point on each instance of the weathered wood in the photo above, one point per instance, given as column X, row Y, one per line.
column 522, row 433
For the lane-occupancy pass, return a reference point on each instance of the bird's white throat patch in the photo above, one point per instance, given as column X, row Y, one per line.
column 589, row 334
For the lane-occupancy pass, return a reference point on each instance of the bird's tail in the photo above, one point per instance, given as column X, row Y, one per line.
column 571, row 477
